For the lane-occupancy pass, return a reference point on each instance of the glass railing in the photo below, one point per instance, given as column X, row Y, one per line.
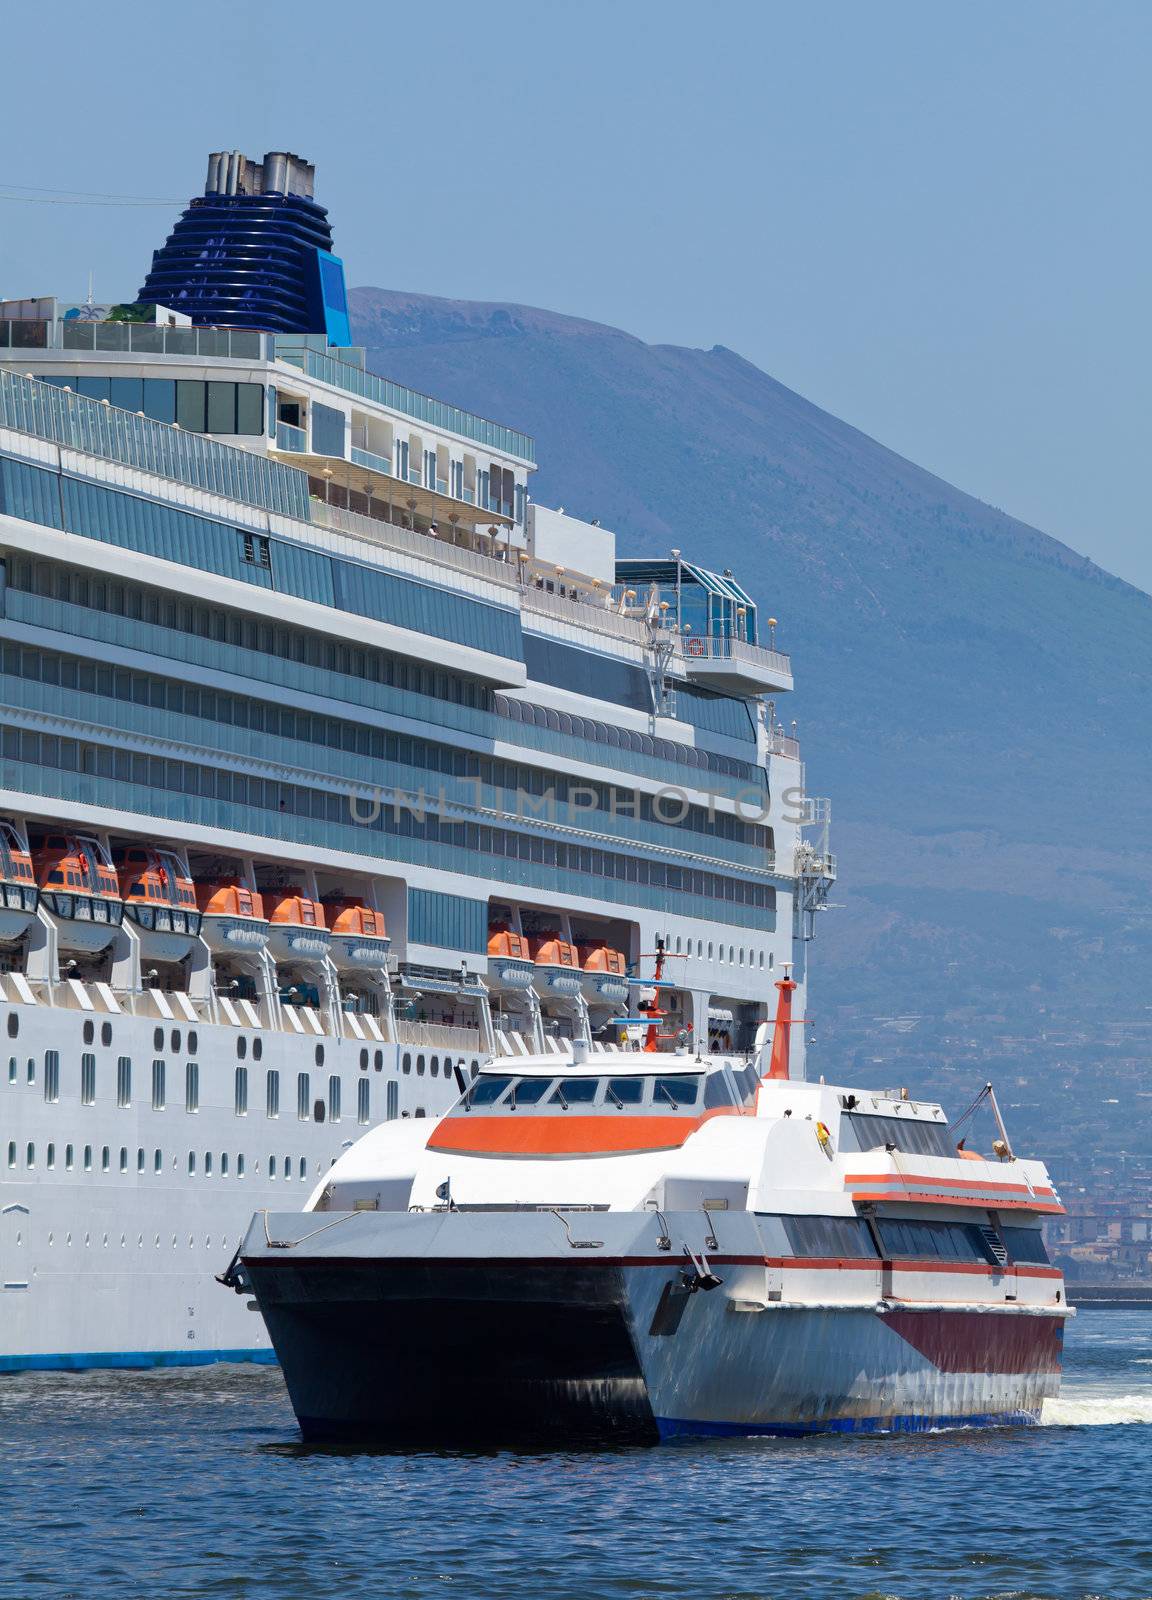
column 291, row 438
column 146, row 338
column 438, row 413
column 368, row 458
column 99, row 429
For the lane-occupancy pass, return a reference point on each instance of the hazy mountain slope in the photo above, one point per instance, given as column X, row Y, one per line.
column 973, row 695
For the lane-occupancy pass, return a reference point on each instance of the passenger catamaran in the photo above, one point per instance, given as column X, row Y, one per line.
column 334, row 767
column 642, row 1244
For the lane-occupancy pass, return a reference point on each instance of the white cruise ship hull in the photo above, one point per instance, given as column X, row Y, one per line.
column 466, row 1328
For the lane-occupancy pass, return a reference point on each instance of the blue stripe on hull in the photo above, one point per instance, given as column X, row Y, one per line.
column 87, row 1360
column 684, row 1428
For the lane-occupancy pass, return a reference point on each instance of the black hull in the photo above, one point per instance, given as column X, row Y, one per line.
column 457, row 1355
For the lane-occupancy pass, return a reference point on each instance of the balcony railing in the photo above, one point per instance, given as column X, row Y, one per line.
column 424, row 545
column 438, row 413
column 369, row 458
column 291, row 438
column 702, row 647
column 98, row 429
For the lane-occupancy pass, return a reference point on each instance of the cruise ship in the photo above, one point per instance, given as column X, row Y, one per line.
column 333, row 767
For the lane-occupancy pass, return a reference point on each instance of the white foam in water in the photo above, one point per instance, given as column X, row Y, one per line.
column 1085, row 1408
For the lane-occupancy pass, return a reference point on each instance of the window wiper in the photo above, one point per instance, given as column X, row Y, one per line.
column 673, row 1103
column 614, row 1097
column 559, row 1095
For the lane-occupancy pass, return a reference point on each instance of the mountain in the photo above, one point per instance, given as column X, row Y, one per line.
column 973, row 695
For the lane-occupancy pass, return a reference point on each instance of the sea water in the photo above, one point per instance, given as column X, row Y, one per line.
column 195, row 1483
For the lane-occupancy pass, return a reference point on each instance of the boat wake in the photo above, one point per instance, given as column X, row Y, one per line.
column 1089, row 1410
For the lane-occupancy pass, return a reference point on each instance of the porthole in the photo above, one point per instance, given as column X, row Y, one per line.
column 363, row 1061
column 258, row 1049
column 175, row 1041
column 378, row 1060
column 319, row 1055
column 193, row 1041
column 89, row 1031
column 157, row 1039
column 318, row 1112
column 419, row 1066
column 241, row 1047
column 13, row 1024
column 105, row 1033
column 434, row 1066
column 406, row 1063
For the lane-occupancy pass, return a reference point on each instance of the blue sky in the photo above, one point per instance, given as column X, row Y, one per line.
column 931, row 219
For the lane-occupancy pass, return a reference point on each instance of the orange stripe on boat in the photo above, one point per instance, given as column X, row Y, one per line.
column 559, row 1136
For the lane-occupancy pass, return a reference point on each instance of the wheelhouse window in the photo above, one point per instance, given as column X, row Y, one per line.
column 676, row 1091
column 861, row 1131
column 574, row 1092
column 1025, row 1244
column 622, row 1092
column 487, row 1090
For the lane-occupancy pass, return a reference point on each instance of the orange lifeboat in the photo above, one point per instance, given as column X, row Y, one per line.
column 359, row 937
column 557, row 964
column 232, row 916
column 509, row 959
column 296, row 926
column 160, row 900
column 19, row 895
column 78, row 886
column 605, row 974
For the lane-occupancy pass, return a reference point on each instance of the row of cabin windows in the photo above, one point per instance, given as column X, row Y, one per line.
column 197, row 406
column 307, row 1109
column 596, row 867
column 432, row 1064
column 90, row 1161
column 426, row 758
column 245, row 631
column 736, row 956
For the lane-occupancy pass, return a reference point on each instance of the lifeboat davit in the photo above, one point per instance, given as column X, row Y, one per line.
column 605, row 974
column 359, row 937
column 19, row 895
column 557, row 965
column 78, row 886
column 159, row 900
column 232, row 917
column 510, row 965
column 297, row 930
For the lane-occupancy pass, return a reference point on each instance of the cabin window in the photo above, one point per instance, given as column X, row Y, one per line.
column 87, row 1080
column 241, row 1047
column 124, row 1082
column 141, row 1158
column 30, row 1156
column 334, row 1098
column 241, row 1092
column 391, row 1103
column 363, row 1061
column 303, row 1097
column 1025, row 1244
column 240, row 1166
column 13, row 1024
column 158, row 1039
column 258, row 1049
column 158, row 1093
column 928, row 1241
column 829, row 1238
column 363, row 1099
column 272, row 1166
column 157, row 1161
column 123, row 1158
column 192, row 1087
column 105, row 1033
column 419, row 1066
column 192, row 1163
column 378, row 1061
column 176, row 1042
column 319, row 1055
column 192, row 1042
column 207, row 1163
column 51, row 1075
column 13, row 1069
column 625, row 1091
column 224, row 1163
column 272, row 1094
column 11, row 1152
column 87, row 1158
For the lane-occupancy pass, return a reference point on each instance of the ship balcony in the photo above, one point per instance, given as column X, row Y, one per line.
column 733, row 666
column 370, row 475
